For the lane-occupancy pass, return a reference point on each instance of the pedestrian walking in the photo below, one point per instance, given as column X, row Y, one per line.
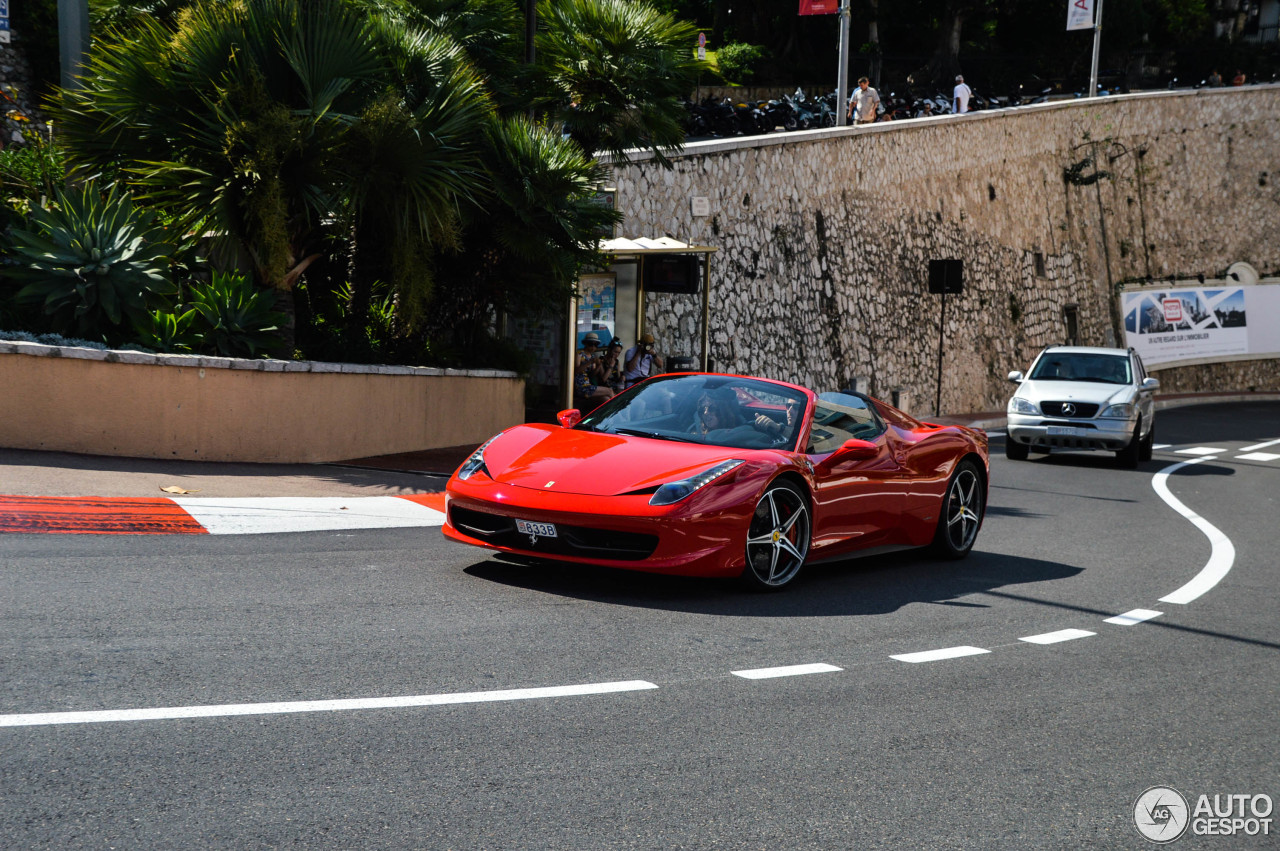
column 863, row 103
column 960, row 96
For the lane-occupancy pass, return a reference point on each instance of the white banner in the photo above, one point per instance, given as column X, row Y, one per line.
column 1208, row 323
column 1079, row 14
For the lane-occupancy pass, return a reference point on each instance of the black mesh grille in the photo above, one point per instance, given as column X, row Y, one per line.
column 580, row 541
column 1082, row 409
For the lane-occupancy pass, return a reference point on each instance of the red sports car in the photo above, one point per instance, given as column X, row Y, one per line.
column 722, row 475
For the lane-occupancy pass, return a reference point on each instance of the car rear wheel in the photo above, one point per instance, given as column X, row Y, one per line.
column 1015, row 451
column 961, row 515
column 777, row 538
column 1129, row 456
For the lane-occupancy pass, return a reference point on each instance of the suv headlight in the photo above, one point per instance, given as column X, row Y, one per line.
column 1119, row 412
column 1018, row 405
column 475, row 463
column 673, row 492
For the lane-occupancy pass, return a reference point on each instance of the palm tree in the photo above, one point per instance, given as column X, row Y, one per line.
column 522, row 253
column 258, row 119
column 615, row 73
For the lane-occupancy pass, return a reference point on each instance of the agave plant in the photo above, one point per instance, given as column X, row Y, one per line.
column 169, row 331
column 233, row 318
column 92, row 260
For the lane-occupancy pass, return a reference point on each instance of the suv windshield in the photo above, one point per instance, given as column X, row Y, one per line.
column 1083, row 366
column 717, row 410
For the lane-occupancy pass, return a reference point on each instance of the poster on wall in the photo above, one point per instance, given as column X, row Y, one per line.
column 597, row 301
column 1202, row 324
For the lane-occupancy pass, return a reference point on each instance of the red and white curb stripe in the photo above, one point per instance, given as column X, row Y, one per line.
column 214, row 516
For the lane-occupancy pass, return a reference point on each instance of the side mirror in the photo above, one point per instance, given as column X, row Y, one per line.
column 569, row 418
column 852, row 449
column 1151, row 384
column 1015, row 377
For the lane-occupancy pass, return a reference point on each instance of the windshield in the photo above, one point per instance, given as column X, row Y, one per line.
column 717, row 410
column 1079, row 366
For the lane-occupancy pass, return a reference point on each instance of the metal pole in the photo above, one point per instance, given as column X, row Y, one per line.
column 842, row 72
column 706, row 311
column 942, row 329
column 1097, row 44
column 73, row 40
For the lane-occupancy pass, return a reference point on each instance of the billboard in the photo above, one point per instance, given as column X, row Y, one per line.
column 1206, row 323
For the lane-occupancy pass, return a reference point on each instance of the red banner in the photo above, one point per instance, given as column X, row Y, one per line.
column 819, row 7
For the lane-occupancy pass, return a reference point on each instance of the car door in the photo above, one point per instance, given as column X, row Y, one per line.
column 857, row 500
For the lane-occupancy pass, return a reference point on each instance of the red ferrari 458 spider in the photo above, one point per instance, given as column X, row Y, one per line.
column 723, row 475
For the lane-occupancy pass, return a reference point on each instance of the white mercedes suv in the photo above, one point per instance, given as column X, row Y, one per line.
column 1081, row 397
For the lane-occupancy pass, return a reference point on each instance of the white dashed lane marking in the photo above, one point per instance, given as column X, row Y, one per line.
column 1200, row 450
column 1056, row 637
column 787, row 671
column 939, row 655
column 1262, row 445
column 1258, row 456
column 1133, row 617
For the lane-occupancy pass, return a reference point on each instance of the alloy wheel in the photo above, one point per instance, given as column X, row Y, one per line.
column 777, row 538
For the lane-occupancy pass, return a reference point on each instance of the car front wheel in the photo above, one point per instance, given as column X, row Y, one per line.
column 1015, row 451
column 961, row 516
column 1129, row 456
column 777, row 538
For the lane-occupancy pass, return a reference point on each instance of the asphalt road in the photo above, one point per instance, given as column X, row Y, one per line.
column 1025, row 746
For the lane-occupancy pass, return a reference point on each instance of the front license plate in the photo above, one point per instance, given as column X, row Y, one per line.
column 542, row 530
column 1068, row 431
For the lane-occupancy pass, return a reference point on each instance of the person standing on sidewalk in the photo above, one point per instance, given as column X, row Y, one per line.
column 960, row 96
column 863, row 103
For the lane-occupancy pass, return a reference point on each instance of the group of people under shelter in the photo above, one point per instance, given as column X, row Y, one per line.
column 599, row 373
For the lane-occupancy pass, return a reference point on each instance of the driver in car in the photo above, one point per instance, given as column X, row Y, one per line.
column 778, row 429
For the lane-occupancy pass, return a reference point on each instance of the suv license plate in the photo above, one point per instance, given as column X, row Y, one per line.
column 1069, row 431
column 542, row 530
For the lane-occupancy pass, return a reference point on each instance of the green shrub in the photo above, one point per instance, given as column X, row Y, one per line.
column 233, row 318
column 738, row 61
column 92, row 261
column 169, row 331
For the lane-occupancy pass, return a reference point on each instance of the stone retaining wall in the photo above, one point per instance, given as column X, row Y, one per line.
column 825, row 236
column 226, row 409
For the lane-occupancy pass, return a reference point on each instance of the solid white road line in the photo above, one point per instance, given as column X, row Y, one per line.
column 1258, row 456
column 306, row 514
column 938, row 655
column 1161, row 445
column 1222, row 551
column 1132, row 617
column 1055, row 637
column 1200, row 450
column 171, row 712
column 788, row 671
column 1258, row 446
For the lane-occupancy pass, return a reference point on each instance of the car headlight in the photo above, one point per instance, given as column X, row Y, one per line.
column 476, row 462
column 1119, row 412
column 673, row 492
column 1018, row 405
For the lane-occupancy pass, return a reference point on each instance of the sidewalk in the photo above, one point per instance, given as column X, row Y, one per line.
column 61, row 492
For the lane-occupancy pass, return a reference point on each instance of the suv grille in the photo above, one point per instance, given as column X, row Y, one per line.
column 578, row 541
column 1082, row 409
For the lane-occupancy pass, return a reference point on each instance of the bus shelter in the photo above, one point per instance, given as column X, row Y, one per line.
column 611, row 302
